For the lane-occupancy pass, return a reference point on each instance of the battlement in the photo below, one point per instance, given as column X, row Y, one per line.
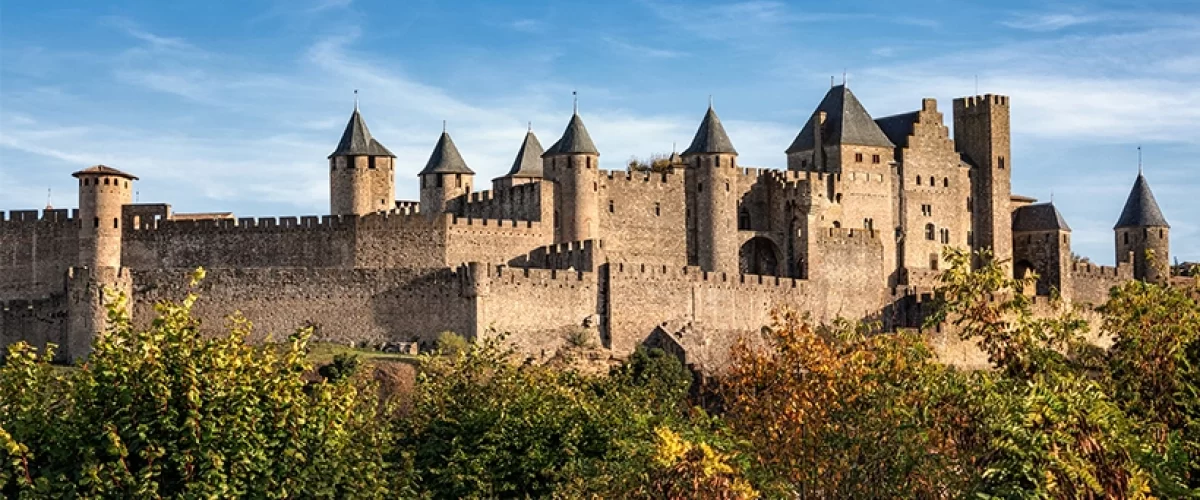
column 261, row 224
column 693, row 274
column 979, row 102
column 407, row 207
column 1088, row 270
column 616, row 176
column 59, row 215
column 456, row 222
column 848, row 236
column 576, row 255
column 520, row 202
column 756, row 172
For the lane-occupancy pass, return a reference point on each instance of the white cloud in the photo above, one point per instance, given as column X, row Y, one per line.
column 1049, row 21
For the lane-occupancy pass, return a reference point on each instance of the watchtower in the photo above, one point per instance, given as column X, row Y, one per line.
column 1042, row 244
column 573, row 164
column 712, row 164
column 1143, row 234
column 103, row 191
column 445, row 178
column 362, row 174
column 981, row 135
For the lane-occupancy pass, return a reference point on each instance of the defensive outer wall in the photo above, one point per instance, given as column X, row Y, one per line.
column 690, row 256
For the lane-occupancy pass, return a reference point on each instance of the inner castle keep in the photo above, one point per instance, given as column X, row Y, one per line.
column 696, row 253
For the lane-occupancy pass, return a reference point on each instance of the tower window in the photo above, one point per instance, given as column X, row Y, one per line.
column 945, row 236
column 371, row 162
column 1000, row 162
column 457, row 180
column 918, row 180
column 933, row 261
column 439, row 181
column 1161, row 233
column 970, row 205
column 657, row 210
column 611, row 207
column 945, row 182
column 743, row 219
column 838, row 198
column 96, row 222
column 699, row 187
column 869, row 224
column 929, row 230
column 874, row 158
column 1126, row 238
column 837, row 224
column 106, row 181
column 116, row 223
column 858, row 157
column 927, row 210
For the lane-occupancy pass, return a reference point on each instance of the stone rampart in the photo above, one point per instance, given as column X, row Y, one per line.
column 521, row 202
column 643, row 217
column 1090, row 283
column 36, row 248
column 36, row 321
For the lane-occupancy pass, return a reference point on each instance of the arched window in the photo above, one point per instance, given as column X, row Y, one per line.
column 743, row 219
column 837, row 224
column 929, row 230
column 838, row 198
column 918, row 180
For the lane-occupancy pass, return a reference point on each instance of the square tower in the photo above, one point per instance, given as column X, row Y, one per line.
column 982, row 137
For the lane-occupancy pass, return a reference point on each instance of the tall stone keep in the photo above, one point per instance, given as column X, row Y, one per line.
column 1143, row 234
column 573, row 165
column 103, row 191
column 444, row 179
column 981, row 134
column 712, row 161
column 362, row 173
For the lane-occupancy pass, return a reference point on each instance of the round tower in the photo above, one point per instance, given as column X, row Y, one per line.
column 103, row 191
column 362, row 174
column 712, row 165
column 1143, row 235
column 445, row 180
column 573, row 164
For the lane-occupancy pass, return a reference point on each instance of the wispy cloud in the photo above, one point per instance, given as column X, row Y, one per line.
column 1049, row 21
column 642, row 50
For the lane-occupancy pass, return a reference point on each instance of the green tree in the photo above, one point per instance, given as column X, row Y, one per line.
column 167, row 412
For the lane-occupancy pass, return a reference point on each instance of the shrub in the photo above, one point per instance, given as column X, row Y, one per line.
column 452, row 344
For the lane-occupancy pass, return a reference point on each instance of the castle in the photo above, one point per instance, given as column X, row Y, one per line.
column 695, row 255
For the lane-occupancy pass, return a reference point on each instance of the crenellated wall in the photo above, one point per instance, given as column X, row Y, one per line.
column 36, row 248
column 528, row 202
column 342, row 305
column 587, row 255
column 327, row 241
column 36, row 321
column 1090, row 283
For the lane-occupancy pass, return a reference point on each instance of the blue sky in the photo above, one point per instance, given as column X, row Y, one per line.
column 234, row 105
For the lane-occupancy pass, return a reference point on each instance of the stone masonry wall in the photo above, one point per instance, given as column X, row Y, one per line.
column 35, row 251
column 37, row 321
column 539, row 307
column 1090, row 283
column 528, row 202
column 343, row 305
column 249, row 243
column 642, row 217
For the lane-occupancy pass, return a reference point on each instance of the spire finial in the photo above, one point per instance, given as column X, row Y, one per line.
column 575, row 98
column 1051, row 195
column 530, row 129
column 49, row 199
column 830, row 81
column 673, row 148
column 356, row 99
column 443, row 126
column 843, row 77
column 710, row 101
column 1139, row 159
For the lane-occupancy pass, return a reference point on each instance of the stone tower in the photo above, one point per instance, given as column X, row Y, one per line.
column 981, row 134
column 444, row 179
column 103, row 191
column 1042, row 244
column 711, row 162
column 573, row 165
column 362, row 174
column 1143, row 234
column 856, row 159
column 526, row 168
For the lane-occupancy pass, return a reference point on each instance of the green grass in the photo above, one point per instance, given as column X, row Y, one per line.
column 322, row 353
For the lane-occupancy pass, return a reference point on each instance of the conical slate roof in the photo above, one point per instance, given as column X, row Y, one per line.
column 710, row 137
column 1141, row 210
column 357, row 140
column 846, row 122
column 575, row 140
column 445, row 159
column 1039, row 217
column 529, row 158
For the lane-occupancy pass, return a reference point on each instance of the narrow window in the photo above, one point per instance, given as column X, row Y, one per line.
column 858, row 157
column 1000, row 162
column 970, row 205
column 743, row 219
column 1160, row 234
column 371, row 162
column 116, row 223
column 699, row 187
column 929, row 232
column 96, row 222
column 1126, row 238
column 611, row 207
column 933, row 261
column 457, row 180
column 439, row 180
column 106, row 181
column 945, row 182
column 726, row 187
column 838, row 198
column 874, row 158
column 837, row 224
column 657, row 210
column 918, row 180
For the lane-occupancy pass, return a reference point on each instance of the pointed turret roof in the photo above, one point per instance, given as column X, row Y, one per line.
column 575, row 140
column 1141, row 210
column 846, row 122
column 1039, row 217
column 445, row 159
column 529, row 158
column 710, row 137
column 357, row 140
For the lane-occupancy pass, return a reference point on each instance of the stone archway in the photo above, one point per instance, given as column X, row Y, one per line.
column 759, row 255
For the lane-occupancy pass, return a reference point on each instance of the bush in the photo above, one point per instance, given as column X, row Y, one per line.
column 452, row 344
